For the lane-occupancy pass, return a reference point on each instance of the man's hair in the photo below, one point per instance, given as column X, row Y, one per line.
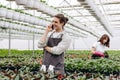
column 62, row 18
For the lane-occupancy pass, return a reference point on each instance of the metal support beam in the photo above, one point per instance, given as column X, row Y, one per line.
column 100, row 17
column 9, row 48
column 51, row 12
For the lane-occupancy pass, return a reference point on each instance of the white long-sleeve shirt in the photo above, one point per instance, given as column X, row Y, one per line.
column 63, row 44
column 99, row 47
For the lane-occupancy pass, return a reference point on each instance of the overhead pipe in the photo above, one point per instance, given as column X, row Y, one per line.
column 19, row 27
column 102, row 18
column 18, row 35
column 51, row 12
column 82, row 27
column 23, row 18
column 7, row 25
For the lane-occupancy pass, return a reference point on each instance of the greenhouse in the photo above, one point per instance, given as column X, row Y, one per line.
column 59, row 39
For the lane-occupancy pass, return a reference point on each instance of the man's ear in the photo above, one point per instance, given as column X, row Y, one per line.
column 62, row 23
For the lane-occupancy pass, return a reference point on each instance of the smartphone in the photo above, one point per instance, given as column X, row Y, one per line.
column 52, row 27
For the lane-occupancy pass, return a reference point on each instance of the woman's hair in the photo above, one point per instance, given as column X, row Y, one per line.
column 105, row 36
column 62, row 18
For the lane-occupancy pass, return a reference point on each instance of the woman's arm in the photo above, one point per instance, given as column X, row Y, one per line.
column 93, row 50
column 97, row 52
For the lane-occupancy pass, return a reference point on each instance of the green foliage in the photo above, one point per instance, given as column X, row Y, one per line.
column 13, row 52
column 3, row 52
column 77, row 65
column 44, row 1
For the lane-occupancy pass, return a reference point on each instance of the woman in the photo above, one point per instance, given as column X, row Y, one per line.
column 98, row 48
column 55, row 42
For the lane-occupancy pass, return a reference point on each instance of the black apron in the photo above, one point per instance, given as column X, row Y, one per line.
column 52, row 59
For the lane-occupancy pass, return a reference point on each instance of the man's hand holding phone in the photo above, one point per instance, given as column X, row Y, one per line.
column 49, row 28
column 52, row 27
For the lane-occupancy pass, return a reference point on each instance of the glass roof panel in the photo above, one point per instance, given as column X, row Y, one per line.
column 80, row 11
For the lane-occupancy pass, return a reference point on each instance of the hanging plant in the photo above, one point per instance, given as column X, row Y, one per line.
column 43, row 1
column 36, row 21
column 18, row 10
column 22, row 17
column 9, row 14
column 2, row 6
column 27, row 18
column 2, row 23
column 21, row 2
column 10, row 0
column 36, row 4
column 3, row 12
column 16, row 16
column 3, row 28
column 32, row 20
column 6, row 24
column 30, row 4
